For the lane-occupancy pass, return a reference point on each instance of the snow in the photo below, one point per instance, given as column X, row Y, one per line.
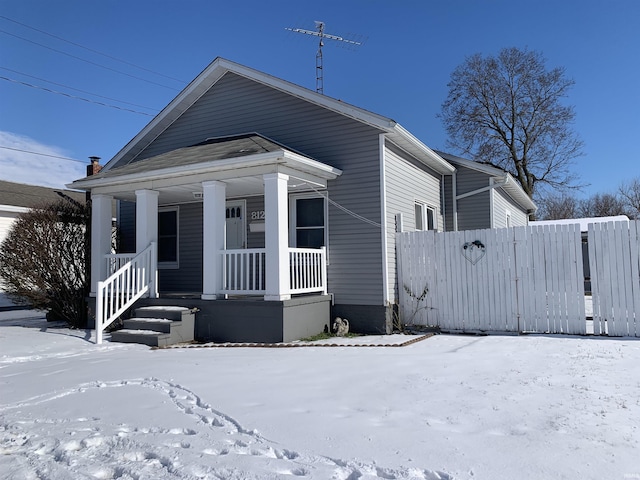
column 583, row 222
column 445, row 407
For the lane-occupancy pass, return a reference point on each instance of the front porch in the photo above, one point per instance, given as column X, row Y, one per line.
column 252, row 319
column 205, row 179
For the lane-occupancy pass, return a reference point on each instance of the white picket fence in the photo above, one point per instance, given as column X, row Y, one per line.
column 522, row 279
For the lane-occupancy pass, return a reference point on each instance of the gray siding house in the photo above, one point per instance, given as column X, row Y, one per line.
column 480, row 196
column 272, row 208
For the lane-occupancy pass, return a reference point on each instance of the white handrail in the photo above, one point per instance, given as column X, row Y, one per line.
column 126, row 285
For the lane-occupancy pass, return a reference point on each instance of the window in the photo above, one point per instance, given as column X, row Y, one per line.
column 308, row 222
column 425, row 217
column 168, row 238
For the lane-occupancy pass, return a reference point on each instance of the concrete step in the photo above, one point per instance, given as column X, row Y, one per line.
column 145, row 337
column 157, row 324
column 161, row 311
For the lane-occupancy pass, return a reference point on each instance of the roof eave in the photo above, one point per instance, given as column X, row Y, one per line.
column 403, row 138
column 515, row 191
column 283, row 157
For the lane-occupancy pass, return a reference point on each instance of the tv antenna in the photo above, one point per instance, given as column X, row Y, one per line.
column 319, row 32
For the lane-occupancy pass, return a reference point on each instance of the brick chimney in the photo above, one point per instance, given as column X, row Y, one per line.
column 94, row 167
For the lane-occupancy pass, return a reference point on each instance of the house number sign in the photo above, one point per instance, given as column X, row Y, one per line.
column 257, row 215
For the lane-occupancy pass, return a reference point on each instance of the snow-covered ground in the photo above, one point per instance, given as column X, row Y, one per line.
column 464, row 407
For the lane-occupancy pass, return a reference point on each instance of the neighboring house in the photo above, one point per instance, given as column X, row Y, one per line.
column 17, row 198
column 480, row 196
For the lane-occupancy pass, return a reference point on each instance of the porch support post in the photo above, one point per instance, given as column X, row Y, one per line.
column 100, row 238
column 213, row 234
column 146, row 218
column 276, row 237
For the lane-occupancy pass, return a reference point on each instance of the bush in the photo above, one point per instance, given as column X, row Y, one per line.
column 42, row 260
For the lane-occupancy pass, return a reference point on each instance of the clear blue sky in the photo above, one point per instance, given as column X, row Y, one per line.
column 401, row 71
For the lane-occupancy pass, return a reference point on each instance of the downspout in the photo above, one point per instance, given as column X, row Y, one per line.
column 386, row 294
column 454, row 191
column 443, row 205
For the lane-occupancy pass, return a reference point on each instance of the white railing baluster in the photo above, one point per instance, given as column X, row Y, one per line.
column 243, row 271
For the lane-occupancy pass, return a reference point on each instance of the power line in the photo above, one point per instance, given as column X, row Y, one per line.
column 87, row 61
column 43, row 154
column 92, row 50
column 78, row 90
column 74, row 96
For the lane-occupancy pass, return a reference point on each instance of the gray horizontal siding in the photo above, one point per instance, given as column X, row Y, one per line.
column 188, row 277
column 406, row 182
column 237, row 105
column 474, row 212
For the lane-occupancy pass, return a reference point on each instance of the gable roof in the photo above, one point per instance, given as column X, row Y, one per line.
column 220, row 66
column 511, row 186
column 23, row 196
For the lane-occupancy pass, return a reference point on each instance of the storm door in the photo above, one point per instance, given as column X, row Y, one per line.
column 236, row 224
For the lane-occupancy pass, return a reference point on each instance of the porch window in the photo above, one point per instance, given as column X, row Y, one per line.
column 168, row 237
column 308, row 215
column 425, row 217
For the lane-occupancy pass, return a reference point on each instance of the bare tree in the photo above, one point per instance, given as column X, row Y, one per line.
column 558, row 207
column 42, row 260
column 630, row 194
column 506, row 111
column 602, row 205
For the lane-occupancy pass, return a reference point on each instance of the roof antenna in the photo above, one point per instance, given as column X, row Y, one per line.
column 319, row 32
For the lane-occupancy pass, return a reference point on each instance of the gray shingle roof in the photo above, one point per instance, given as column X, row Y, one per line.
column 29, row 196
column 210, row 150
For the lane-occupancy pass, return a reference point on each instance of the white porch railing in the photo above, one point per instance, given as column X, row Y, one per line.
column 135, row 278
column 308, row 270
column 243, row 271
column 116, row 261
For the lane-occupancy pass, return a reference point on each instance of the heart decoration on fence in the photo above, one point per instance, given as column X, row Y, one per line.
column 474, row 251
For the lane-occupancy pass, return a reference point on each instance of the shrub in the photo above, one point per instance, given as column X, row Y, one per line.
column 42, row 260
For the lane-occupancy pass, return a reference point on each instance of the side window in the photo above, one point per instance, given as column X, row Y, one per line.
column 425, row 217
column 419, row 216
column 168, row 238
column 308, row 222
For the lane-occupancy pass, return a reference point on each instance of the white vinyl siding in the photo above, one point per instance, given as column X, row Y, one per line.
column 408, row 183
column 237, row 105
column 503, row 203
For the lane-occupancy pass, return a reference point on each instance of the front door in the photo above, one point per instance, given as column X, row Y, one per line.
column 236, row 224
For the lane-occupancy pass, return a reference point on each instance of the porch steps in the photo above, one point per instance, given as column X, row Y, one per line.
column 157, row 326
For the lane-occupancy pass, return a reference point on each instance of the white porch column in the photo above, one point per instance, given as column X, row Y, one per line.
column 146, row 218
column 276, row 237
column 213, row 234
column 100, row 238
